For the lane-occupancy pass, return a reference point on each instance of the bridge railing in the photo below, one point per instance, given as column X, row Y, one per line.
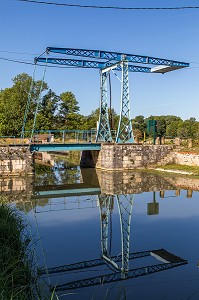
column 54, row 136
column 64, row 136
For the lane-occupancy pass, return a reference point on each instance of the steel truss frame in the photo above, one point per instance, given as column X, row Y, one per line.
column 116, row 56
column 133, row 273
column 125, row 130
column 90, row 64
column 125, row 206
column 91, row 263
column 125, row 203
column 111, row 60
column 103, row 129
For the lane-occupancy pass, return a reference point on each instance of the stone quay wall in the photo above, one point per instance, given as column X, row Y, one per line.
column 132, row 182
column 131, row 156
column 186, row 158
column 15, row 160
column 16, row 189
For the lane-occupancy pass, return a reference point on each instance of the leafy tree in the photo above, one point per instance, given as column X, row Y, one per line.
column 69, row 103
column 13, row 103
column 69, row 110
column 48, row 114
column 188, row 129
column 170, row 118
column 92, row 119
column 172, row 128
column 139, row 126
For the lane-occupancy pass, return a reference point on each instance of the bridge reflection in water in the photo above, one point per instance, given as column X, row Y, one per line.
column 109, row 192
column 104, row 190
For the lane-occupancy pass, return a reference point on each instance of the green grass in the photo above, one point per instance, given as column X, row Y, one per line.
column 184, row 168
column 16, row 273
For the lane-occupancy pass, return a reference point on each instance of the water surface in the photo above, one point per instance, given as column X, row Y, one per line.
column 75, row 216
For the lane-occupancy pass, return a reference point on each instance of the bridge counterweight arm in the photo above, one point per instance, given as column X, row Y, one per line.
column 113, row 277
column 88, row 64
column 116, row 56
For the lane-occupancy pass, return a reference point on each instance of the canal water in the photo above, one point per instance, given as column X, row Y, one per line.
column 106, row 235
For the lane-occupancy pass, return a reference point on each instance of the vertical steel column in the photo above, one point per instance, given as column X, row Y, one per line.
column 125, row 205
column 104, row 204
column 125, row 131
column 103, row 130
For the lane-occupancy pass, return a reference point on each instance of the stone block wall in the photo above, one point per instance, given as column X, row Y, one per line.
column 16, row 188
column 184, row 183
column 15, row 160
column 130, row 156
column 186, row 158
column 131, row 182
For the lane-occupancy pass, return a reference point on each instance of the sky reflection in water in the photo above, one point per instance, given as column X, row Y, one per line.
column 73, row 235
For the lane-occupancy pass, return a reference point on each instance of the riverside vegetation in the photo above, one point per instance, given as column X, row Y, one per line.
column 63, row 112
column 18, row 274
column 16, row 259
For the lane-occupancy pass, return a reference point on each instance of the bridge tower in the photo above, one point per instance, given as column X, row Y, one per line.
column 125, row 130
column 106, row 61
column 125, row 205
column 103, row 128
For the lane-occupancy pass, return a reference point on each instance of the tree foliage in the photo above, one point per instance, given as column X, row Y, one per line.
column 13, row 104
column 63, row 112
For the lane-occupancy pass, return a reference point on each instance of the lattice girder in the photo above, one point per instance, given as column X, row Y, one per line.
column 143, row 271
column 125, row 130
column 103, row 129
column 125, row 205
column 116, row 56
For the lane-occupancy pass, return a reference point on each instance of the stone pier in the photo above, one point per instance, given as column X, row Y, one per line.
column 125, row 156
column 15, row 160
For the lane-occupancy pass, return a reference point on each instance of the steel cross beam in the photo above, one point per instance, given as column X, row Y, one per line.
column 91, row 263
column 116, row 56
column 113, row 277
column 89, row 64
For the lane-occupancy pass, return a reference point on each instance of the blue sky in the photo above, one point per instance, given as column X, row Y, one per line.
column 29, row 28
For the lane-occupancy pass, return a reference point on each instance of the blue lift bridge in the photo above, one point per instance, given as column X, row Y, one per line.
column 106, row 62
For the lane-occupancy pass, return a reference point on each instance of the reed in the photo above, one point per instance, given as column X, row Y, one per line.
column 16, row 259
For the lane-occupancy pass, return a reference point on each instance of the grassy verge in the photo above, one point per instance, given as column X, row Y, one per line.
column 194, row 170
column 16, row 275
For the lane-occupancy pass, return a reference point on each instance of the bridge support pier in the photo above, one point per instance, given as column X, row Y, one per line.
column 89, row 158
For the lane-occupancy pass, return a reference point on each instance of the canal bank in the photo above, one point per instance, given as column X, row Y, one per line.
column 125, row 156
column 18, row 160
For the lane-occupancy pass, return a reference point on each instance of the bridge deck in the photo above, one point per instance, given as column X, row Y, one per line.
column 65, row 190
column 163, row 255
column 64, row 147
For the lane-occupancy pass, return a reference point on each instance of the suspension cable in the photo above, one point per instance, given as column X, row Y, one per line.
column 110, row 95
column 28, row 103
column 39, row 98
